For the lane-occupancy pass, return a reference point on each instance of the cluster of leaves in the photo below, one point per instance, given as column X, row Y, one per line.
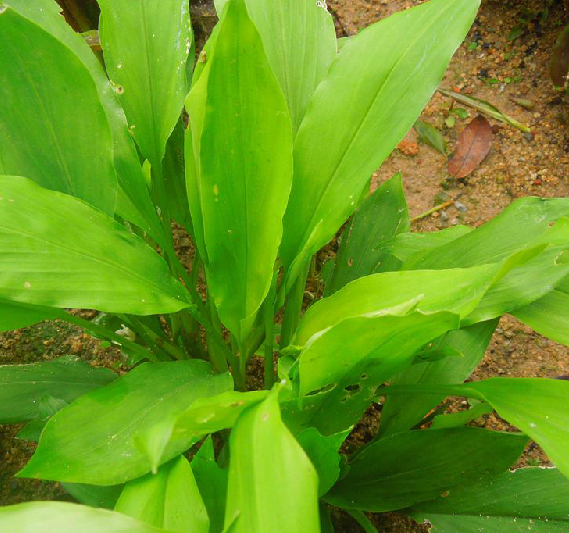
column 261, row 151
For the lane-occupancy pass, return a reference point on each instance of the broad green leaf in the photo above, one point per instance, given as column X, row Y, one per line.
column 53, row 128
column 525, row 284
column 381, row 217
column 146, row 44
column 243, row 192
column 300, row 42
column 415, row 466
column 265, row 459
column 92, row 440
column 522, row 223
column 402, row 412
column 461, row 418
column 385, row 344
column 169, row 499
column 92, row 262
column 22, row 387
column 60, row 517
column 324, row 453
column 530, row 499
column 205, row 415
column 538, row 407
column 347, row 357
column 212, row 483
column 548, row 316
column 455, row 290
column 410, row 247
column 133, row 200
column 355, row 357
column 367, row 102
column 93, row 495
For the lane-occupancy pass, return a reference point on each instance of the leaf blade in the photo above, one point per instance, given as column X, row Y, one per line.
column 365, row 89
column 48, row 261
column 146, row 46
column 49, row 123
column 260, row 438
column 88, row 441
column 242, row 195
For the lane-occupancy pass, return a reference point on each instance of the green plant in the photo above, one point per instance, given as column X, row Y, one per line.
column 272, row 155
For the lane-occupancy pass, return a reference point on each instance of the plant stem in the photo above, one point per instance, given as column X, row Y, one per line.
column 268, row 311
column 218, row 357
column 293, row 307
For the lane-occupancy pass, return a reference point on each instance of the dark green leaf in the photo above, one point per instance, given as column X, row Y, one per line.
column 22, row 387
column 48, row 406
column 174, row 177
column 402, row 412
column 324, row 452
column 94, row 495
column 212, row 482
column 461, row 418
column 430, row 135
column 415, row 466
column 380, row 218
column 530, row 499
column 538, row 407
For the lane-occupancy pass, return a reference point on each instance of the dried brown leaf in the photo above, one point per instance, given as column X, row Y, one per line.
column 472, row 148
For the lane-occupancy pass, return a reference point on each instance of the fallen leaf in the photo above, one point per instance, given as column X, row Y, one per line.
column 473, row 146
column 431, row 136
column 560, row 59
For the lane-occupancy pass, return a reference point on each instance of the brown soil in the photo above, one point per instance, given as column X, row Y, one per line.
column 518, row 165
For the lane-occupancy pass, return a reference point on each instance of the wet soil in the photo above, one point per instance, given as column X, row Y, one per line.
column 488, row 66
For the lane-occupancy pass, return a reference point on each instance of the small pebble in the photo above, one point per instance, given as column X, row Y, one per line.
column 461, row 207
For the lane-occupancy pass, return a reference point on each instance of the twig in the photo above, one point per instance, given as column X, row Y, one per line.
column 432, row 210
